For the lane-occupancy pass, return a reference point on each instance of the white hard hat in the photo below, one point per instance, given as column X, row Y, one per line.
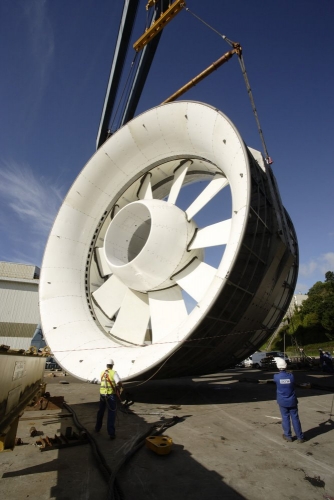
column 110, row 362
column 281, row 363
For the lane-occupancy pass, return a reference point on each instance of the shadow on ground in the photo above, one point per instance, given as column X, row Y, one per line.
column 81, row 471
column 223, row 388
column 143, row 474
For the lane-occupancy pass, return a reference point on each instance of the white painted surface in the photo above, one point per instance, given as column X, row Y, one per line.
column 216, row 234
column 177, row 183
column 102, row 262
column 110, row 295
column 153, row 142
column 167, row 310
column 196, row 279
column 132, row 320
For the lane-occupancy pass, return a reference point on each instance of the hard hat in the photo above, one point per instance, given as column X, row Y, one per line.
column 281, row 363
column 110, row 362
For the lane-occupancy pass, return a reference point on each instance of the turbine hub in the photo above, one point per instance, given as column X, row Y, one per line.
column 146, row 243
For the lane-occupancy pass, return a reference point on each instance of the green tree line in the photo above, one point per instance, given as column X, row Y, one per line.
column 313, row 321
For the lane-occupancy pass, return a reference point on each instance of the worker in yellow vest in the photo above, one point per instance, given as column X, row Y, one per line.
column 110, row 383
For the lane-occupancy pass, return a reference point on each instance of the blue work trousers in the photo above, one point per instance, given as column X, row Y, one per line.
column 109, row 402
column 287, row 414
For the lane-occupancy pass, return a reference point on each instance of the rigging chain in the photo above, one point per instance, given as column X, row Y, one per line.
column 244, row 73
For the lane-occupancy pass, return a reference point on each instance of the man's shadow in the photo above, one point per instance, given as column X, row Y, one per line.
column 322, row 428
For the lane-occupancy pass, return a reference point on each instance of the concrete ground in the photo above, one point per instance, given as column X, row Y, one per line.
column 227, row 443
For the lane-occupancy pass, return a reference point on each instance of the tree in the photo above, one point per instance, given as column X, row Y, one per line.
column 329, row 277
column 327, row 320
column 313, row 322
column 311, row 319
column 318, row 308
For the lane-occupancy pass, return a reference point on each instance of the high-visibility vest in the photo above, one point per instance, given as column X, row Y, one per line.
column 107, row 382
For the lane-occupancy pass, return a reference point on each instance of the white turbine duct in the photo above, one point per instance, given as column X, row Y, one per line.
column 171, row 254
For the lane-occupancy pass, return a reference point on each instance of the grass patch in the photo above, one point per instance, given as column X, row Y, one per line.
column 311, row 349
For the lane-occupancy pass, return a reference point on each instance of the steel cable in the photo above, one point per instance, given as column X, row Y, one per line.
column 248, row 87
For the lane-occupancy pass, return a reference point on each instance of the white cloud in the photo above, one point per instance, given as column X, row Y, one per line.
column 40, row 53
column 302, row 288
column 41, row 32
column 327, row 262
column 308, row 269
column 322, row 264
column 28, row 196
column 29, row 204
column 43, row 40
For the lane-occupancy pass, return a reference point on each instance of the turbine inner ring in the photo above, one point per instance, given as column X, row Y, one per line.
column 146, row 243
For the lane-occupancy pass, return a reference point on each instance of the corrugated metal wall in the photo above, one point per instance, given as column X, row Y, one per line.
column 19, row 302
column 15, row 270
column 19, row 312
column 16, row 342
column 16, row 335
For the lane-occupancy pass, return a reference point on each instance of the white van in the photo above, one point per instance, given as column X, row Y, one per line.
column 257, row 357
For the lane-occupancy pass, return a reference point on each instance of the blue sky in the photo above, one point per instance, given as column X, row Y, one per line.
column 56, row 58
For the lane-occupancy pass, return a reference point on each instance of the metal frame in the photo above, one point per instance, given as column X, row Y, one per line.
column 141, row 72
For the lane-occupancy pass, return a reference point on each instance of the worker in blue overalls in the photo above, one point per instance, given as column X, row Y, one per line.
column 287, row 401
column 110, row 384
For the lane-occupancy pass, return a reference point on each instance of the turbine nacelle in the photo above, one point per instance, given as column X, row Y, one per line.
column 147, row 243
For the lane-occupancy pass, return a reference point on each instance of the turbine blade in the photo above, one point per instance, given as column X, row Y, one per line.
column 102, row 263
column 133, row 317
column 110, row 295
column 168, row 310
column 216, row 185
column 145, row 190
column 177, row 182
column 195, row 278
column 210, row 236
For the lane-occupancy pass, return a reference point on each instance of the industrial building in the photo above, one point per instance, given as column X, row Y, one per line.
column 19, row 310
